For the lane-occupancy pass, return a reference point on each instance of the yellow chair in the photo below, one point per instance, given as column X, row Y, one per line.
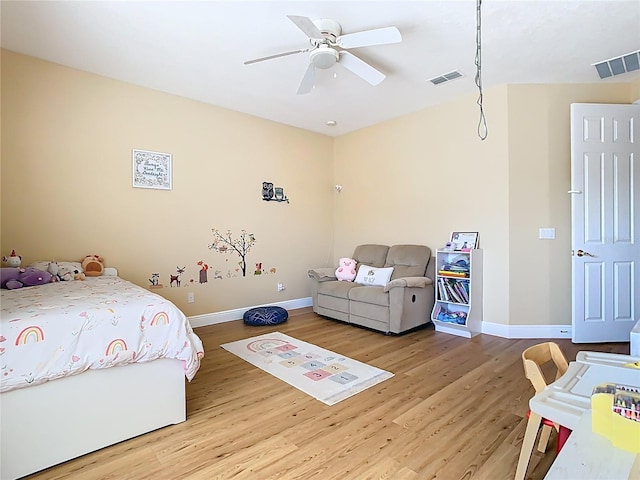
column 534, row 360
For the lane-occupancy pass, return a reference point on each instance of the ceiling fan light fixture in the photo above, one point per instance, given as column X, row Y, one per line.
column 324, row 57
column 330, row 29
column 328, row 47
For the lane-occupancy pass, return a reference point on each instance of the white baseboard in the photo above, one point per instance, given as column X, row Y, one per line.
column 495, row 329
column 526, row 331
column 236, row 314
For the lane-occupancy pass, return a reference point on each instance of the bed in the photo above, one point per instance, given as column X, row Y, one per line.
column 86, row 364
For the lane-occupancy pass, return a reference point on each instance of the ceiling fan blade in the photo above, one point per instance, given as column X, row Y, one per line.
column 308, row 80
column 378, row 36
column 277, row 55
column 361, row 68
column 307, row 26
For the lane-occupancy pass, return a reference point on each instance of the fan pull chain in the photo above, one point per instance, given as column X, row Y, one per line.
column 483, row 131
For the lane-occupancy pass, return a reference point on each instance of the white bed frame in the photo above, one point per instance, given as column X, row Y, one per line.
column 50, row 423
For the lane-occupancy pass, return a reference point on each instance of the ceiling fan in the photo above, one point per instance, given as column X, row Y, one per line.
column 329, row 47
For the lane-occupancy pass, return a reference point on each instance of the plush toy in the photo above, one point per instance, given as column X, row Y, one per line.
column 63, row 271
column 347, row 269
column 12, row 260
column 67, row 272
column 12, row 278
column 93, row 265
column 53, row 268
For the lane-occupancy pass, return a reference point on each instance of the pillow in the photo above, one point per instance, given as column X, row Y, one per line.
column 373, row 276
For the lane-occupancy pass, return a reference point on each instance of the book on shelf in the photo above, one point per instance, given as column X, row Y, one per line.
column 462, row 288
column 444, row 273
column 442, row 291
column 450, row 286
column 453, row 290
column 448, row 273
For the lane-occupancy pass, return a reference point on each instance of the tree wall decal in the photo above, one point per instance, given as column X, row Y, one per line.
column 241, row 246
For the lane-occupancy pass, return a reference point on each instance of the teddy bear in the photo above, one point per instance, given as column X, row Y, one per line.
column 93, row 265
column 12, row 278
column 347, row 269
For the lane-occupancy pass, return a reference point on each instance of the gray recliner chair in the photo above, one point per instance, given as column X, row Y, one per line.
column 405, row 302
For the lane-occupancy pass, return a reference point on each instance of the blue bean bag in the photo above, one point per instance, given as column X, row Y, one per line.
column 265, row 316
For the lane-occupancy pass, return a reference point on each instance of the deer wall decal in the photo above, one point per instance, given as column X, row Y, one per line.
column 176, row 278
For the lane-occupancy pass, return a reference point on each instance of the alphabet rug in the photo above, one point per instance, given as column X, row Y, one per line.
column 322, row 374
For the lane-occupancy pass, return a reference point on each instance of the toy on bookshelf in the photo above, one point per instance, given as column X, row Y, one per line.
column 445, row 314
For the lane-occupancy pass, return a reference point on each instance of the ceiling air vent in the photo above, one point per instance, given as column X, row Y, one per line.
column 618, row 65
column 446, row 77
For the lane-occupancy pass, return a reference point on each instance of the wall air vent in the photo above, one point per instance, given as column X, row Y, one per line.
column 446, row 77
column 618, row 65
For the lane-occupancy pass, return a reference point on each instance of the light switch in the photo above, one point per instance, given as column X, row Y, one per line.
column 547, row 233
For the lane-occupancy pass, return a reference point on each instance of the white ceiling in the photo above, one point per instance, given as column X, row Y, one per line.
column 196, row 49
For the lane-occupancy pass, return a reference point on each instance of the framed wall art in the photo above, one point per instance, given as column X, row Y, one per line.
column 151, row 169
column 464, row 240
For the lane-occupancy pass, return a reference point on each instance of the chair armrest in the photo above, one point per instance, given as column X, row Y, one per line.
column 418, row 282
column 322, row 274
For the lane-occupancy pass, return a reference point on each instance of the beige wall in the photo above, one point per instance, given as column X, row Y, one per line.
column 635, row 91
column 540, row 168
column 419, row 177
column 67, row 138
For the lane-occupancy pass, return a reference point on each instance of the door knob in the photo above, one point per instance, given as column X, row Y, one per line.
column 582, row 253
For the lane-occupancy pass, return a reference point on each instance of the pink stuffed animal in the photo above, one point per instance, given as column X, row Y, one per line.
column 347, row 269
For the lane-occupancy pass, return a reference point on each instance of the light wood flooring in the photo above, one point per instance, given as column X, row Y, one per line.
column 455, row 409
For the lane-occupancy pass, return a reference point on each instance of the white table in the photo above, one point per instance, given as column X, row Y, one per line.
column 587, row 455
column 567, row 401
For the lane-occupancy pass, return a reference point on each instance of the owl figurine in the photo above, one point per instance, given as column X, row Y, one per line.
column 267, row 190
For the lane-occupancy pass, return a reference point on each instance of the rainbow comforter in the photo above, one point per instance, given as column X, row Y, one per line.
column 65, row 328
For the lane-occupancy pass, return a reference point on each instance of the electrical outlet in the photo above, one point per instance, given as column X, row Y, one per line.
column 280, row 286
column 191, row 297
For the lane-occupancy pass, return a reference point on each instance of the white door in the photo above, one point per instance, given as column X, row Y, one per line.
column 605, row 214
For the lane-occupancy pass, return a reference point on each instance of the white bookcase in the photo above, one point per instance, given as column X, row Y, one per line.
column 458, row 306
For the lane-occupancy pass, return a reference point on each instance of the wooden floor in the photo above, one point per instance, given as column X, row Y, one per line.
column 455, row 409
